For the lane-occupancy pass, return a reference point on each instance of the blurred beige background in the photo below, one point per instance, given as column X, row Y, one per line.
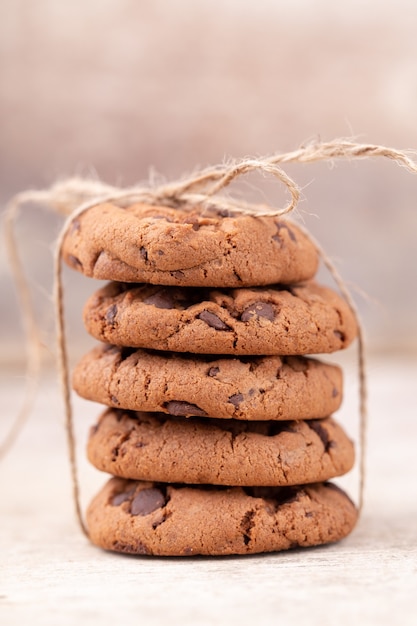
column 114, row 88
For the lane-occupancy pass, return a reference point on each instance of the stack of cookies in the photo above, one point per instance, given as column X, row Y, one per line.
column 217, row 429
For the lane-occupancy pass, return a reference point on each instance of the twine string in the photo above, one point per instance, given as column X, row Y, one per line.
column 363, row 391
column 33, row 343
column 201, row 190
column 64, row 376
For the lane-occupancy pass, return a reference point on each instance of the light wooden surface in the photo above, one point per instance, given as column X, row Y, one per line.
column 50, row 574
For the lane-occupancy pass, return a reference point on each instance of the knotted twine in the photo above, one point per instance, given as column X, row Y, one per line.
column 75, row 196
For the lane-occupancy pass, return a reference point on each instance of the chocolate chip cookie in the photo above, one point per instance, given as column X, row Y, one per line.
column 165, row 246
column 246, row 388
column 177, row 520
column 154, row 446
column 298, row 319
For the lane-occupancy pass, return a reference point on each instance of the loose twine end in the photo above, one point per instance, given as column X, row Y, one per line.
column 200, row 191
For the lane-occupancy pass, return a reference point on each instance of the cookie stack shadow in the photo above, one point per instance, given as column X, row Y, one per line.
column 217, row 430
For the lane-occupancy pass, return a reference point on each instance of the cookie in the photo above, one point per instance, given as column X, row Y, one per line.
column 154, row 446
column 165, row 246
column 298, row 319
column 177, row 520
column 256, row 388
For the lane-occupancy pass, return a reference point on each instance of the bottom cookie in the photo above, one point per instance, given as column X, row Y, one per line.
column 150, row 518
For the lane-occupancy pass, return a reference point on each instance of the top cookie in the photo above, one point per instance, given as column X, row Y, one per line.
column 164, row 246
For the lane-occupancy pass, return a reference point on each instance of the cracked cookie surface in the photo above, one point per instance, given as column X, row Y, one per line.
column 154, row 446
column 246, row 388
column 298, row 319
column 165, row 246
column 148, row 518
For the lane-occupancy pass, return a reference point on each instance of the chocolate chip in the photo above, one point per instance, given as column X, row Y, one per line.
column 122, row 497
column 339, row 335
column 114, row 400
column 171, row 298
column 143, row 253
column 111, row 314
column 72, row 260
column 75, row 226
column 115, row 452
column 213, row 371
column 213, row 321
column 283, row 226
column 258, row 309
column 335, row 392
column 322, row 433
column 147, row 501
column 194, row 221
column 236, row 399
column 161, row 252
column 179, row 407
column 291, row 234
column 161, row 299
